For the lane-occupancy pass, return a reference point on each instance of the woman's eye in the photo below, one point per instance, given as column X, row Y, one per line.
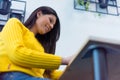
column 51, row 21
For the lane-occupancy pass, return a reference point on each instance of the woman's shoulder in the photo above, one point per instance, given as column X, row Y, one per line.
column 14, row 23
column 14, row 20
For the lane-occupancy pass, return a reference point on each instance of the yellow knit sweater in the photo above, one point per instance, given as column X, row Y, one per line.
column 20, row 51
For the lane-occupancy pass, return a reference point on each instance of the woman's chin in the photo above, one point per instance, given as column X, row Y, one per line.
column 43, row 33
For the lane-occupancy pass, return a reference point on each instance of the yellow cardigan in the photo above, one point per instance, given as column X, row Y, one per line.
column 20, row 51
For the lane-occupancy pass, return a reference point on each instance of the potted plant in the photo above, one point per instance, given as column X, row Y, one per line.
column 103, row 3
column 84, row 3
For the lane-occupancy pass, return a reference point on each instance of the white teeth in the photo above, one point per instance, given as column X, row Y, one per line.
column 46, row 28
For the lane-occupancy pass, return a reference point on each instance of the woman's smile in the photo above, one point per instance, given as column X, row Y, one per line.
column 47, row 29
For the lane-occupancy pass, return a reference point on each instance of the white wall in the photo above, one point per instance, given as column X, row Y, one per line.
column 77, row 26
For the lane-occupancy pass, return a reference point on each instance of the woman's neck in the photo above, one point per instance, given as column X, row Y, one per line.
column 34, row 30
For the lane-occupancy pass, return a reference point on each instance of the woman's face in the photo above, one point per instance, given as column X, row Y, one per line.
column 45, row 23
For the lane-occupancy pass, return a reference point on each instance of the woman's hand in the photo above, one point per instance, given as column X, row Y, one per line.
column 66, row 60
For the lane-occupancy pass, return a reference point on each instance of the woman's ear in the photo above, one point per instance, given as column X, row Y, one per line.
column 39, row 14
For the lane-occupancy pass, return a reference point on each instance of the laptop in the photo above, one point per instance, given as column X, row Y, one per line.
column 81, row 67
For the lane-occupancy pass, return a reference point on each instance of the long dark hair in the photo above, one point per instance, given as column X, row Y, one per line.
column 49, row 39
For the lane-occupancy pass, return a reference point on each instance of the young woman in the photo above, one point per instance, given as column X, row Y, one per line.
column 26, row 50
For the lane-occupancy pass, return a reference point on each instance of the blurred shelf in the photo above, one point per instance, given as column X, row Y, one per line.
column 112, row 7
column 17, row 14
column 1, row 26
column 17, row 10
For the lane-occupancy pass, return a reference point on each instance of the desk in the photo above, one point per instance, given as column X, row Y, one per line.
column 98, row 59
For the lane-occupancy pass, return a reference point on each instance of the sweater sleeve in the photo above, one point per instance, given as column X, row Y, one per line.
column 19, row 54
column 54, row 75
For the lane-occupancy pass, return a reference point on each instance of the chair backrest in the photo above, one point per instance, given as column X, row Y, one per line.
column 5, row 7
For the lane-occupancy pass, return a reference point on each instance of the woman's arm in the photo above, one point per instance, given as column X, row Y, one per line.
column 19, row 54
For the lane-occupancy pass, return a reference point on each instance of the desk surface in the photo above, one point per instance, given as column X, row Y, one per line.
column 81, row 66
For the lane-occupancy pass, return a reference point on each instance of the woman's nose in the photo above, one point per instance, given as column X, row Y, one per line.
column 51, row 25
